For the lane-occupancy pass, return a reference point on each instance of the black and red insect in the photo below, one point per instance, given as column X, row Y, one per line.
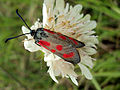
column 57, row 43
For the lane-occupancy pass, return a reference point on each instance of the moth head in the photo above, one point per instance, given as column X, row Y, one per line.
column 32, row 32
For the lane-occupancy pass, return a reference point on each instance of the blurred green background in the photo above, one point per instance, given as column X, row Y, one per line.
column 22, row 70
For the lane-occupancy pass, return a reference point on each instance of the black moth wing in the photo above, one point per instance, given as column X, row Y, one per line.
column 76, row 43
column 68, row 50
column 68, row 47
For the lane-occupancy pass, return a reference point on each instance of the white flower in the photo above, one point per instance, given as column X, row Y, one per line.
column 67, row 20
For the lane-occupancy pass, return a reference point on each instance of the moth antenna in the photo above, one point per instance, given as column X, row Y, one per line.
column 15, row 37
column 21, row 34
column 23, row 20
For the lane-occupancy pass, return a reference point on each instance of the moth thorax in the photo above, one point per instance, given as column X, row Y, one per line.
column 38, row 34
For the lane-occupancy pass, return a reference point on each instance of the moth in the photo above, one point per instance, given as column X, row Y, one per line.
column 59, row 44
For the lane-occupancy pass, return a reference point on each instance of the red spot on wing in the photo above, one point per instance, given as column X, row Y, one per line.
column 69, row 55
column 44, row 43
column 59, row 47
column 59, row 33
column 63, row 37
column 52, row 50
column 74, row 40
column 49, row 31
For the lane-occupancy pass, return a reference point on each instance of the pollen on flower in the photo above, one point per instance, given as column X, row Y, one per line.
column 70, row 26
column 65, row 23
column 61, row 16
column 50, row 19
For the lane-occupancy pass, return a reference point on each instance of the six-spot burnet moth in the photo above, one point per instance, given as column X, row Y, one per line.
column 57, row 43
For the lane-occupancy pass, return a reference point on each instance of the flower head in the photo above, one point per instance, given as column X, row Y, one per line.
column 68, row 21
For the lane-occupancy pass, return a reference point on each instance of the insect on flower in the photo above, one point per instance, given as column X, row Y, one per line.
column 59, row 44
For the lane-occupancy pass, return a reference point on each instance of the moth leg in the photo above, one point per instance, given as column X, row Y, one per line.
column 37, row 43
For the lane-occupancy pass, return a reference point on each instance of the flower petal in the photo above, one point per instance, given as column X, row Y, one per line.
column 74, row 80
column 49, row 4
column 31, row 46
column 75, row 13
column 60, row 5
column 48, row 57
column 50, row 71
column 25, row 30
column 87, row 60
column 45, row 15
column 36, row 25
column 66, row 8
column 85, row 71
column 89, row 50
